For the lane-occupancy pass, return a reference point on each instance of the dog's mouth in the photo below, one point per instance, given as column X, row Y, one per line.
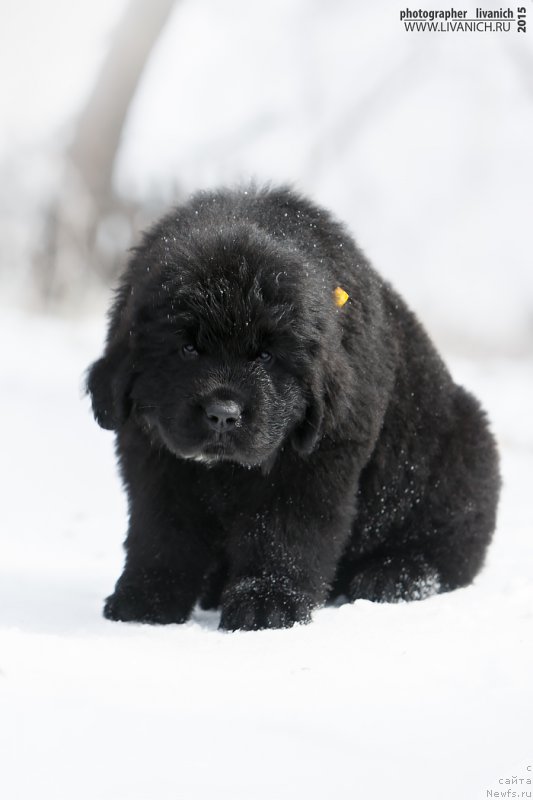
column 216, row 447
column 213, row 452
column 209, row 452
column 220, row 448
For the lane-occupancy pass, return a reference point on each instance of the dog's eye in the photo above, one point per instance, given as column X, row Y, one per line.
column 265, row 357
column 189, row 350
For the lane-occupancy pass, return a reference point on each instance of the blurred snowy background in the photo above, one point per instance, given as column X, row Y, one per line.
column 422, row 144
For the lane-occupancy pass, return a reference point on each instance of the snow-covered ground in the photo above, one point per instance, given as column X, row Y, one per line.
column 423, row 700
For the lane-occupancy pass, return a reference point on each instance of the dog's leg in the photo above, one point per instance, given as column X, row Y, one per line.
column 393, row 578
column 154, row 592
column 283, row 556
column 280, row 574
column 166, row 560
column 439, row 542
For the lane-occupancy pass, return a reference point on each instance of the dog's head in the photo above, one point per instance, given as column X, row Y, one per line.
column 219, row 347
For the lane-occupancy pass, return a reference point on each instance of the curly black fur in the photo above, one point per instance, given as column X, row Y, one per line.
column 278, row 450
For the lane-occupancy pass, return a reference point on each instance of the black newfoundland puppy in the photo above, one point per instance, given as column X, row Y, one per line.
column 286, row 431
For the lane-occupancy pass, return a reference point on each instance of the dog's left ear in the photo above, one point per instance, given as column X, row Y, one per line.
column 109, row 383
column 306, row 435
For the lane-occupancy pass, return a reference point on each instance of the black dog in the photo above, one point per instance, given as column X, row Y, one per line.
column 285, row 429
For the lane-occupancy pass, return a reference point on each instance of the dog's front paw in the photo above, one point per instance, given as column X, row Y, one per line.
column 132, row 603
column 252, row 604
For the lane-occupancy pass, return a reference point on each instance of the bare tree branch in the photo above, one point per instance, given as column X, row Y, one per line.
column 100, row 124
column 86, row 198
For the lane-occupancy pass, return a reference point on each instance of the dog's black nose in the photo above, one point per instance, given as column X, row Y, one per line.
column 222, row 415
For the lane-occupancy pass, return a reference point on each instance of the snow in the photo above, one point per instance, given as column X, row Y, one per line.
column 430, row 699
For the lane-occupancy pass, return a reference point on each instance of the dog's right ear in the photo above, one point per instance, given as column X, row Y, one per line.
column 109, row 383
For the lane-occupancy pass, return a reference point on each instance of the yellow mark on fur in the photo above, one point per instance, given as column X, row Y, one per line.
column 340, row 296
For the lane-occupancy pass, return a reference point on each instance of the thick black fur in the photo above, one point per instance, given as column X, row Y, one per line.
column 348, row 464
